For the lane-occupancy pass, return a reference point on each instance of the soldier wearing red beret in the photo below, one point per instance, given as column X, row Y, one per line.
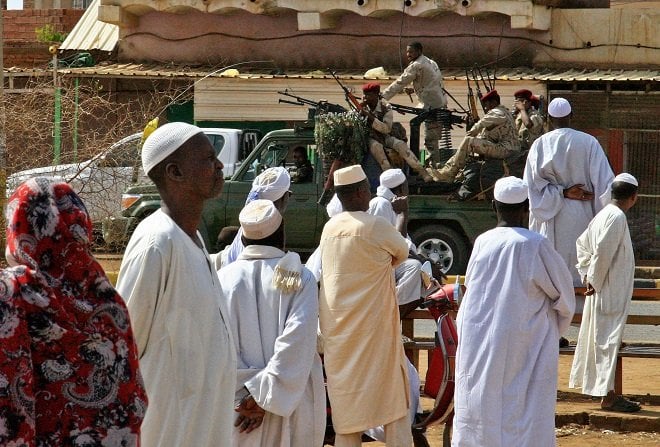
column 380, row 117
column 493, row 136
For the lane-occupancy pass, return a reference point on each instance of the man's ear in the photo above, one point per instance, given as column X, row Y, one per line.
column 173, row 172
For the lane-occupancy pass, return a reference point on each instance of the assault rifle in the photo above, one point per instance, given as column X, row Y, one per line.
column 315, row 107
column 350, row 97
column 448, row 119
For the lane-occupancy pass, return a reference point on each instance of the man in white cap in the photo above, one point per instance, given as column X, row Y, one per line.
column 273, row 184
column 273, row 306
column 173, row 297
column 606, row 262
column 359, row 319
column 519, row 299
column 568, row 176
column 391, row 203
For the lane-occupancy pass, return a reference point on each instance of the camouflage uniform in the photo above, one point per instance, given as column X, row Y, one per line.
column 527, row 136
column 380, row 138
column 426, row 79
column 493, row 136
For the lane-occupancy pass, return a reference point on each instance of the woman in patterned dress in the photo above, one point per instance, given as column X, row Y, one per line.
column 68, row 363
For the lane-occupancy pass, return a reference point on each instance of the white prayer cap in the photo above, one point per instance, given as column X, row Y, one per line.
column 164, row 141
column 259, row 219
column 559, row 108
column 334, row 206
column 510, row 190
column 626, row 178
column 391, row 178
column 349, row 175
column 271, row 184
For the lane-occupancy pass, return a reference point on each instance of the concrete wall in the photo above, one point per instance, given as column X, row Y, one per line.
column 606, row 38
column 356, row 42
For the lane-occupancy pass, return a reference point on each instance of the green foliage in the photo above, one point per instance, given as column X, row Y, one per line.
column 342, row 136
column 47, row 34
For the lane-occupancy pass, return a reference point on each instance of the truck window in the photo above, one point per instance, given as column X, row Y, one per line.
column 278, row 153
column 123, row 155
column 218, row 142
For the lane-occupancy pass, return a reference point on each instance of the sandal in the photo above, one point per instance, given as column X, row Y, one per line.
column 623, row 405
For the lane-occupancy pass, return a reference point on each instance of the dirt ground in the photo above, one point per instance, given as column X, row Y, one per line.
column 641, row 377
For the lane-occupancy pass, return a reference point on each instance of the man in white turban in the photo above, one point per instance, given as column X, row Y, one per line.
column 519, row 299
column 273, row 303
column 359, row 318
column 179, row 320
column 273, row 184
column 606, row 263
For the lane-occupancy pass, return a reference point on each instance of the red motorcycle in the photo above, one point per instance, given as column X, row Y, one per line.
column 440, row 379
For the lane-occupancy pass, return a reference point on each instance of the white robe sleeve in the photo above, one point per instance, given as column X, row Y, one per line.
column 556, row 282
column 279, row 386
column 605, row 245
column 142, row 278
column 601, row 176
column 546, row 199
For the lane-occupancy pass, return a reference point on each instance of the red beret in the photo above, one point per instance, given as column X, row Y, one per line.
column 371, row 87
column 524, row 93
column 491, row 95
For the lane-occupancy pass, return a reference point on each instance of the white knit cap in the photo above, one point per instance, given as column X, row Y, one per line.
column 259, row 219
column 559, row 108
column 391, row 178
column 510, row 190
column 271, row 184
column 626, row 178
column 164, row 141
column 349, row 175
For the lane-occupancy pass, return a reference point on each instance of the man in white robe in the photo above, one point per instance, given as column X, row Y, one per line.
column 607, row 263
column 519, row 299
column 273, row 305
column 568, row 175
column 173, row 297
column 359, row 318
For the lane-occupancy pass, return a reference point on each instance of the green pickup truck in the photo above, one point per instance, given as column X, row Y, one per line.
column 442, row 230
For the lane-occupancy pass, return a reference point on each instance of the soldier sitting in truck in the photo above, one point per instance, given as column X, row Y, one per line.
column 379, row 117
column 493, row 137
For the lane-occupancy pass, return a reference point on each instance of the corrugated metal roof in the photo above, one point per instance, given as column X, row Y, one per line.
column 90, row 33
column 503, row 74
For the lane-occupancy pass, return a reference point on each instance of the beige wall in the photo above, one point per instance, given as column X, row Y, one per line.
column 606, row 38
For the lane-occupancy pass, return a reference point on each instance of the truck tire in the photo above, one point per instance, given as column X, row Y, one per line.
column 444, row 246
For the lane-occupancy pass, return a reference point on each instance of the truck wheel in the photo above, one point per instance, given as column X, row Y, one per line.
column 443, row 246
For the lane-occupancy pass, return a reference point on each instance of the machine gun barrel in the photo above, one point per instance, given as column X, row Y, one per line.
column 406, row 109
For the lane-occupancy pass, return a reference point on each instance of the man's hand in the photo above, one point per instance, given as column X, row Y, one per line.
column 250, row 415
column 400, row 204
column 520, row 105
column 590, row 290
column 409, row 90
column 576, row 192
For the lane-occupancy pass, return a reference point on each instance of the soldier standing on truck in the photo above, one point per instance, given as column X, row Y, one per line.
column 380, row 117
column 426, row 78
column 493, row 136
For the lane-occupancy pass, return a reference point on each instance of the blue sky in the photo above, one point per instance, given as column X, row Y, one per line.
column 14, row 4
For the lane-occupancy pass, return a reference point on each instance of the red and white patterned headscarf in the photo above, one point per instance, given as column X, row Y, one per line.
column 68, row 361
